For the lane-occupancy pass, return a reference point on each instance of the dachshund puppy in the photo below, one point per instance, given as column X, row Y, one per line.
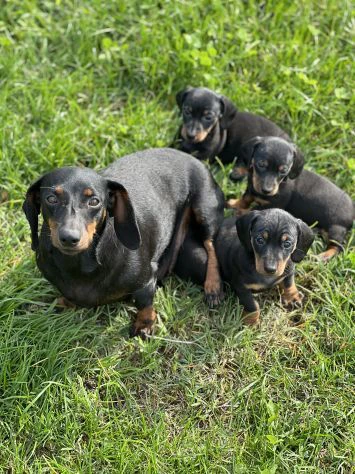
column 255, row 252
column 212, row 126
column 112, row 234
column 277, row 179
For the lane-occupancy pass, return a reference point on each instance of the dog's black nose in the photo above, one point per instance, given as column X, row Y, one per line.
column 270, row 267
column 69, row 237
column 190, row 135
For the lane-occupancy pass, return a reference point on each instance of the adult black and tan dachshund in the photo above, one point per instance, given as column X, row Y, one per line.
column 115, row 233
column 256, row 252
column 277, row 179
column 212, row 126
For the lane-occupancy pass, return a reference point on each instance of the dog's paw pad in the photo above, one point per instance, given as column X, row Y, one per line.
column 293, row 302
column 213, row 299
column 62, row 302
column 231, row 203
column 251, row 319
column 142, row 332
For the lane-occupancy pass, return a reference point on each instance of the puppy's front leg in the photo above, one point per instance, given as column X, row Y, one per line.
column 251, row 312
column 143, row 325
column 291, row 296
column 213, row 284
column 336, row 237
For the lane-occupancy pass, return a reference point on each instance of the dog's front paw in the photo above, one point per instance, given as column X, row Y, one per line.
column 251, row 319
column 214, row 298
column 64, row 303
column 142, row 332
column 292, row 300
column 143, row 326
column 237, row 206
column 232, row 204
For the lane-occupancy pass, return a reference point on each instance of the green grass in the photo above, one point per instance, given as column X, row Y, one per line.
column 86, row 82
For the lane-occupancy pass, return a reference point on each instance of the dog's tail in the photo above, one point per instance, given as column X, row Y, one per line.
column 168, row 259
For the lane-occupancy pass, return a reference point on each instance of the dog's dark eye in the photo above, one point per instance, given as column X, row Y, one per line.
column 52, row 199
column 286, row 244
column 283, row 171
column 93, row 202
column 262, row 164
column 260, row 240
column 208, row 117
column 187, row 112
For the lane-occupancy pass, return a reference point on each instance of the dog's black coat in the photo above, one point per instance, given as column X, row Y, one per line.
column 238, row 249
column 228, row 129
column 142, row 198
column 302, row 193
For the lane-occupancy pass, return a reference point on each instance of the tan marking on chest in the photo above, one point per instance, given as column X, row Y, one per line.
column 261, row 202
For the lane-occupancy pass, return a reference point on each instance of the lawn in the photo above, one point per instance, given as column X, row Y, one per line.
column 87, row 82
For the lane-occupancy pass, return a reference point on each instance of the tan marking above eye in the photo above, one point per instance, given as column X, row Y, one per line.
column 285, row 237
column 265, row 235
column 283, row 169
column 88, row 192
column 58, row 190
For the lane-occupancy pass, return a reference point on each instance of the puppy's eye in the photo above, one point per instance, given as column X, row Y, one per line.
column 187, row 112
column 283, row 171
column 209, row 117
column 286, row 244
column 52, row 199
column 260, row 240
column 262, row 164
column 93, row 202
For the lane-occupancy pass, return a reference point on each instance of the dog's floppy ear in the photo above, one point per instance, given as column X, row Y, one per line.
column 298, row 163
column 32, row 207
column 125, row 223
column 304, row 241
column 180, row 96
column 244, row 225
column 248, row 149
column 228, row 110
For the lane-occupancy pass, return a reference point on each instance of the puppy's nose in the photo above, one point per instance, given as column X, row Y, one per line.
column 270, row 267
column 266, row 190
column 191, row 135
column 69, row 237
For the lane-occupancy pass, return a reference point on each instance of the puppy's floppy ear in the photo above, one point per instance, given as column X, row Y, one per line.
column 120, row 207
column 244, row 225
column 32, row 207
column 180, row 96
column 248, row 149
column 298, row 163
column 228, row 110
column 304, row 241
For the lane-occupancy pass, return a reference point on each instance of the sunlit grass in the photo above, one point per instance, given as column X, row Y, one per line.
column 87, row 82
